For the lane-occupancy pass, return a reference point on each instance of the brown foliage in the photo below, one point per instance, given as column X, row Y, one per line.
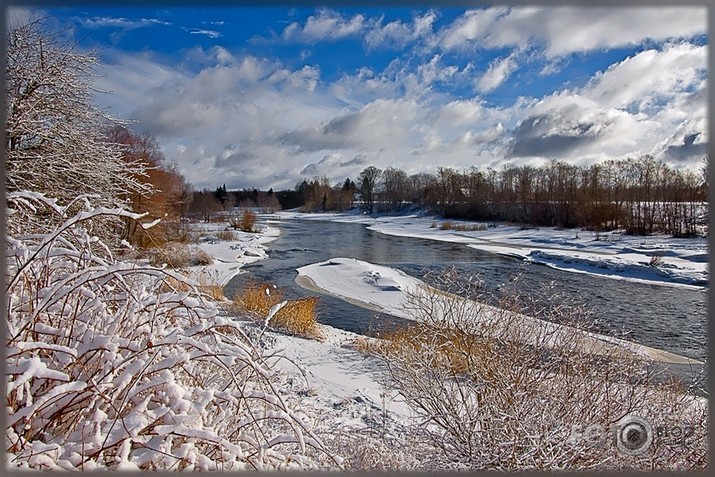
column 170, row 191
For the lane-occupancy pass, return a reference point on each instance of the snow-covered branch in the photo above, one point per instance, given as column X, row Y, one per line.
column 126, row 366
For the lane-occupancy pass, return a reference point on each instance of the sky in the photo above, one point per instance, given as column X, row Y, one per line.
column 266, row 97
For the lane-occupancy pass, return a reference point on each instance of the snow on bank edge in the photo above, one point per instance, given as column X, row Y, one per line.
column 386, row 289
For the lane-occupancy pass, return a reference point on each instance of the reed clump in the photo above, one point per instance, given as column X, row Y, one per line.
column 295, row 317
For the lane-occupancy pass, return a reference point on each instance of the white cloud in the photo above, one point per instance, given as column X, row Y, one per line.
column 120, row 22
column 472, row 27
column 650, row 76
column 650, row 103
column 565, row 30
column 208, row 33
column 397, row 34
column 499, row 71
column 327, row 25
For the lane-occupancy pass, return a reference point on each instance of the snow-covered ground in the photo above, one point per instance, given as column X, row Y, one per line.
column 660, row 259
column 230, row 255
column 343, row 384
column 342, row 379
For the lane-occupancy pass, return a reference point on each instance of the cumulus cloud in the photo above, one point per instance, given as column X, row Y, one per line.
column 499, row 71
column 651, row 76
column 624, row 110
column 564, row 30
column 327, row 25
column 398, row 34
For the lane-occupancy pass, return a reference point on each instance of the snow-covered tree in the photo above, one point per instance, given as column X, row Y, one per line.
column 56, row 140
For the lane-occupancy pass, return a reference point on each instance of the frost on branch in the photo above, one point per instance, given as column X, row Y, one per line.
column 56, row 139
column 122, row 366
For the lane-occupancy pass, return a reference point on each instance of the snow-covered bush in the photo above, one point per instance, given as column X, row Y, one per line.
column 497, row 390
column 109, row 366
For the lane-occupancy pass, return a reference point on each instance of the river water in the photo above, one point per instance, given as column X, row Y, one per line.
column 664, row 317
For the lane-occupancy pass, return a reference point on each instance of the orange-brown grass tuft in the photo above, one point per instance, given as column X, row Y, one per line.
column 295, row 317
column 257, row 298
column 298, row 317
column 449, row 348
column 213, row 291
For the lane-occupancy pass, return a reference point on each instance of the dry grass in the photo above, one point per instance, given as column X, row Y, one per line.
column 246, row 222
column 226, row 235
column 298, row 317
column 461, row 227
column 213, row 291
column 178, row 255
column 256, row 298
column 470, row 227
column 295, row 317
column 501, row 395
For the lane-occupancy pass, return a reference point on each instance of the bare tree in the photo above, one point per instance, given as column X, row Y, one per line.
column 55, row 134
column 396, row 186
column 368, row 180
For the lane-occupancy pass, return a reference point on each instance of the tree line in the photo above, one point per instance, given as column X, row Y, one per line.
column 639, row 195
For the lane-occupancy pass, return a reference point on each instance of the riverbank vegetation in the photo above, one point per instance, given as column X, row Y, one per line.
column 263, row 301
column 638, row 195
column 115, row 360
column 493, row 393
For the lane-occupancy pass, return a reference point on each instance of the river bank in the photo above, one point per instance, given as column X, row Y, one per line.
column 339, row 388
column 658, row 259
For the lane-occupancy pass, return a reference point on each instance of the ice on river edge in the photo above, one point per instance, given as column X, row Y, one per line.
column 658, row 260
column 345, row 385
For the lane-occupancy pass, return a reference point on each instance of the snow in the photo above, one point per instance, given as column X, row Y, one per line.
column 342, row 382
column 612, row 255
column 230, row 256
column 372, row 286
column 387, row 290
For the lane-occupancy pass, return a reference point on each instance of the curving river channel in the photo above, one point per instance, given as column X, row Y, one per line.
column 669, row 318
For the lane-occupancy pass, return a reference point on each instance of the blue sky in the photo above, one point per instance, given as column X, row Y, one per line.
column 267, row 97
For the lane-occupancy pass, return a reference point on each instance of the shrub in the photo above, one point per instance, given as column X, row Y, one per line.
column 181, row 232
column 292, row 316
column 446, row 225
column 178, row 256
column 226, row 235
column 110, row 366
column 656, row 259
column 245, row 223
column 499, row 390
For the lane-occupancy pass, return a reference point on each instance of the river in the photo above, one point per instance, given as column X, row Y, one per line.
column 664, row 317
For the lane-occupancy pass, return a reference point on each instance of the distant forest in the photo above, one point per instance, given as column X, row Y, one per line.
column 640, row 196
